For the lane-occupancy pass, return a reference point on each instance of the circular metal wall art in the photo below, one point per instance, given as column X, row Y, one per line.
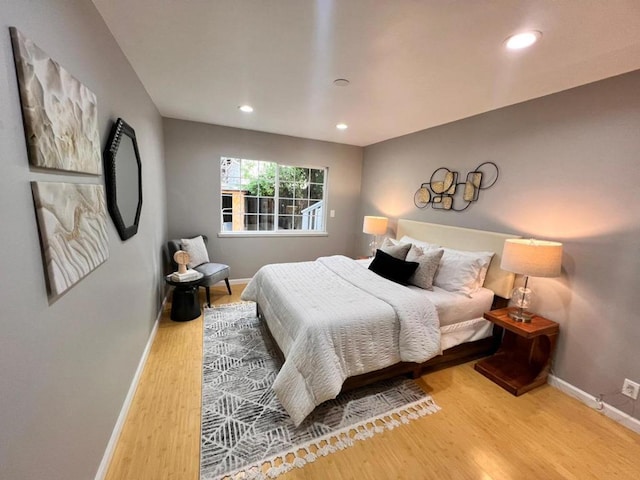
column 442, row 192
column 422, row 196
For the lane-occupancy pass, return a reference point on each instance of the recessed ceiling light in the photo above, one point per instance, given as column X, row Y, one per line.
column 246, row 108
column 523, row 40
column 342, row 126
column 341, row 82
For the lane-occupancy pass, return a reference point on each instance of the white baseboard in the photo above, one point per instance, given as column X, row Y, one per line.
column 613, row 413
column 117, row 429
column 239, row 281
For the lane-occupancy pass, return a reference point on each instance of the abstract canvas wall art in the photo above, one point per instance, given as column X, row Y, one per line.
column 60, row 114
column 72, row 219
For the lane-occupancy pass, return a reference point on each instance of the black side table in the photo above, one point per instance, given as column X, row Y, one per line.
column 184, row 305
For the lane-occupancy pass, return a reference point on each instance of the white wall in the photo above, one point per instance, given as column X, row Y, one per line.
column 193, row 152
column 569, row 171
column 65, row 367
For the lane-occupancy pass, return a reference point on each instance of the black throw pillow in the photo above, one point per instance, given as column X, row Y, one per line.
column 393, row 268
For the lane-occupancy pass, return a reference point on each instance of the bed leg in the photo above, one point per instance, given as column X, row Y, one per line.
column 416, row 372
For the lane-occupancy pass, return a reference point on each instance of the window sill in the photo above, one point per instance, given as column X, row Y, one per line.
column 284, row 233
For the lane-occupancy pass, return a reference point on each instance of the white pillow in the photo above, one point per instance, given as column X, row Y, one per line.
column 196, row 249
column 428, row 261
column 484, row 258
column 461, row 271
column 484, row 267
column 420, row 243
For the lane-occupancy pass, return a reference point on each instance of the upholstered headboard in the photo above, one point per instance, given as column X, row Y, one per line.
column 498, row 280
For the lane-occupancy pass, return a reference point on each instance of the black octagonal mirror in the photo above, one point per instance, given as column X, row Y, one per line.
column 123, row 179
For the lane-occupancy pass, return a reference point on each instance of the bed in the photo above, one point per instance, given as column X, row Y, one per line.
column 339, row 325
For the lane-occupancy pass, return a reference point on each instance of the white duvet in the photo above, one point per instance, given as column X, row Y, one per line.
column 334, row 319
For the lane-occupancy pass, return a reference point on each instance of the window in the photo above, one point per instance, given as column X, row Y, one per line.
column 260, row 196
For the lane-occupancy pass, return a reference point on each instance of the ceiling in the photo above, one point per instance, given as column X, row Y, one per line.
column 412, row 64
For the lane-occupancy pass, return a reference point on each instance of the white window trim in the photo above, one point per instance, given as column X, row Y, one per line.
column 279, row 233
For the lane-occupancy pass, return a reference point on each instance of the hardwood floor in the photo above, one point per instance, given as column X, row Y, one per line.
column 482, row 432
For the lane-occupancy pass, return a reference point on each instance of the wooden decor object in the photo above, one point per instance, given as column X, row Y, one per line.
column 182, row 258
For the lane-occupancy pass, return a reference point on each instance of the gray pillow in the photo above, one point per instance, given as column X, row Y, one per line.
column 397, row 251
column 428, row 261
column 196, row 249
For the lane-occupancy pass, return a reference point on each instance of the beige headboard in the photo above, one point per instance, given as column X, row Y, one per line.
column 498, row 280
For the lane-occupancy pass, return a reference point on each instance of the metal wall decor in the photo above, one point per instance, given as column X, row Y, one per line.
column 442, row 191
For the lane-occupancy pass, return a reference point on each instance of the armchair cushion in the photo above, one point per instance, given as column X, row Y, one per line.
column 213, row 273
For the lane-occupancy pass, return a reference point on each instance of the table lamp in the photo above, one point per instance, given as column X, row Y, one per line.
column 529, row 257
column 374, row 226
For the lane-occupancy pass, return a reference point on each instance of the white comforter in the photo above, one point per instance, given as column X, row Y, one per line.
column 337, row 319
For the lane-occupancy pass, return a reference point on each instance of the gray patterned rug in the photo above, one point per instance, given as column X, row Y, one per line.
column 246, row 433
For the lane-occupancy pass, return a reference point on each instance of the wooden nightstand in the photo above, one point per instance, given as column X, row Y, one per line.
column 523, row 360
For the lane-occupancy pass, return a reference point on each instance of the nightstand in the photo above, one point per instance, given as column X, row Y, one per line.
column 523, row 360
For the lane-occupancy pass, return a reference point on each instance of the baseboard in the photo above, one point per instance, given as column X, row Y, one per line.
column 613, row 413
column 239, row 281
column 122, row 417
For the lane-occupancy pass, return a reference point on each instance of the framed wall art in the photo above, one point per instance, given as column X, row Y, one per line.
column 72, row 221
column 60, row 114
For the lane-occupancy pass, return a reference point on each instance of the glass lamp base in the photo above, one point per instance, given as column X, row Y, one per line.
column 520, row 315
column 521, row 298
column 373, row 246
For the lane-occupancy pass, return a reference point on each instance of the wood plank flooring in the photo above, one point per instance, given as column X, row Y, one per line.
column 482, row 432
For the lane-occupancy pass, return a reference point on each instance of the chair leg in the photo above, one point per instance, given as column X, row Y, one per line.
column 208, row 296
column 226, row 280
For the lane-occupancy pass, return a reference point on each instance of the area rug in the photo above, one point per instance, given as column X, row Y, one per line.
column 247, row 434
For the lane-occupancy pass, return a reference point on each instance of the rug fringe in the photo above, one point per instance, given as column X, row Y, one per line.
column 333, row 442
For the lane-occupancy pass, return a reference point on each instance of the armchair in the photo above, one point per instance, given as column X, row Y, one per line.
column 212, row 272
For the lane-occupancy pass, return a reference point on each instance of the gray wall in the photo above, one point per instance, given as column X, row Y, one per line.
column 66, row 367
column 193, row 152
column 569, row 171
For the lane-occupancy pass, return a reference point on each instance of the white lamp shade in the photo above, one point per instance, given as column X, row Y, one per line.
column 375, row 225
column 535, row 258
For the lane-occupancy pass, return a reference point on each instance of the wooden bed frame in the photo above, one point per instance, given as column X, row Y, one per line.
column 497, row 280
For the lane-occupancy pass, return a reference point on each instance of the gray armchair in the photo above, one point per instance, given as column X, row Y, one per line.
column 212, row 272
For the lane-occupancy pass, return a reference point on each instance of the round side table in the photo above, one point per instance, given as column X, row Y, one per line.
column 184, row 305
